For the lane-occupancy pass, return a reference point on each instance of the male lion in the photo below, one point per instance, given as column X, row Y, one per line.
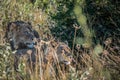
column 21, row 35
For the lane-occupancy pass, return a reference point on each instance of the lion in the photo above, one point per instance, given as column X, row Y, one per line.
column 57, row 57
column 59, row 51
column 21, row 35
column 63, row 52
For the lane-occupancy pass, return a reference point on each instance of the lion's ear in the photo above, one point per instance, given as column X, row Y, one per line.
column 12, row 27
column 29, row 23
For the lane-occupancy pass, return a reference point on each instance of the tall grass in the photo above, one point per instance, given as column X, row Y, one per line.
column 94, row 63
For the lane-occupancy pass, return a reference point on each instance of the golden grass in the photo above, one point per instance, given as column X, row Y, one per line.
column 89, row 65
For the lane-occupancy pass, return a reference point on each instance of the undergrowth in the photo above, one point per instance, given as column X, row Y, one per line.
column 98, row 62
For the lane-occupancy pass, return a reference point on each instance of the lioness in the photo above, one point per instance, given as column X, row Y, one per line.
column 21, row 35
column 59, row 51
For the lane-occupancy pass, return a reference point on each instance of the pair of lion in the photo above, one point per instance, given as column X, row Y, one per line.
column 26, row 41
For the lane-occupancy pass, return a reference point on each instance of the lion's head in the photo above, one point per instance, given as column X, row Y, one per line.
column 64, row 53
column 20, row 35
